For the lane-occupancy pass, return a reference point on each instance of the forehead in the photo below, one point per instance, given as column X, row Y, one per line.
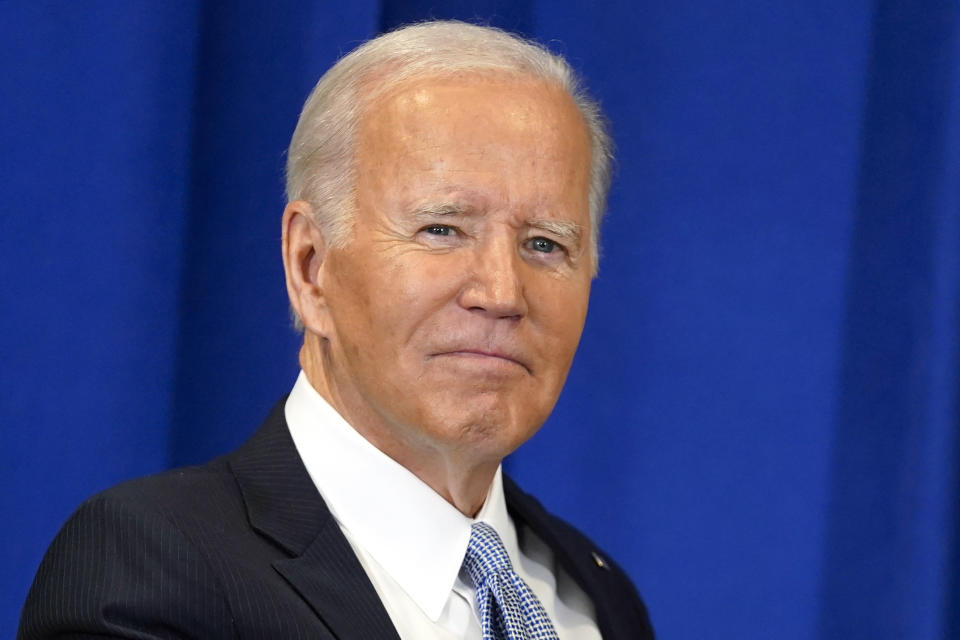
column 506, row 99
column 494, row 129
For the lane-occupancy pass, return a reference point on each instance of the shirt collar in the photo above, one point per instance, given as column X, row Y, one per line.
column 415, row 535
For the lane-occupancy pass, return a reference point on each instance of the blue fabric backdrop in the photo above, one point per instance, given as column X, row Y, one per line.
column 761, row 421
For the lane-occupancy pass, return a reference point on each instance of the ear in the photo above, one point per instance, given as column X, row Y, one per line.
column 304, row 249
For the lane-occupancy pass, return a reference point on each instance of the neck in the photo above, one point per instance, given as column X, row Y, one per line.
column 453, row 471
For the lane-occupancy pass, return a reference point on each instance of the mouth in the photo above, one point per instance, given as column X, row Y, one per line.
column 493, row 357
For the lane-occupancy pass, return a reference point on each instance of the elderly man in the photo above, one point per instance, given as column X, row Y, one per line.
column 445, row 184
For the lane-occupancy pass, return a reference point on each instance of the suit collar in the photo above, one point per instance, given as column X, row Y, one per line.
column 284, row 506
column 409, row 531
column 282, row 503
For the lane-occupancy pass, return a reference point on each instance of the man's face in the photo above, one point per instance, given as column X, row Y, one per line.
column 457, row 304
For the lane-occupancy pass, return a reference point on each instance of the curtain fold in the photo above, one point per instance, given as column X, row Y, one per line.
column 761, row 421
column 895, row 419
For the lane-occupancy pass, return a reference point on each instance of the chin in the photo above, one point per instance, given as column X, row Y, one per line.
column 495, row 427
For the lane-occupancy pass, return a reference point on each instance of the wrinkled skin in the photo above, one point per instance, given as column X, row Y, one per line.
column 444, row 329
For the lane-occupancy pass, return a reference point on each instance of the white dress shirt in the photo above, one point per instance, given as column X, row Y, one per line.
column 410, row 541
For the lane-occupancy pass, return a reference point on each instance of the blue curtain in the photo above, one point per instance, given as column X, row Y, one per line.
column 761, row 420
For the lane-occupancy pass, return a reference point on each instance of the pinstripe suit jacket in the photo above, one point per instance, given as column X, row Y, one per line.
column 244, row 547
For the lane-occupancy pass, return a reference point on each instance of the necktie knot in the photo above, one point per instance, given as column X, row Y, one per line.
column 485, row 553
column 508, row 609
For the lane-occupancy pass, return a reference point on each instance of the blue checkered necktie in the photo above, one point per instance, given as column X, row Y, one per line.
column 509, row 610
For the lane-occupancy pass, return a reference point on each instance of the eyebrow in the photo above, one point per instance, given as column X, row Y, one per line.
column 560, row 228
column 439, row 209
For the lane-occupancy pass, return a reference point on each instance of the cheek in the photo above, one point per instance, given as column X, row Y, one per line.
column 561, row 316
column 421, row 286
column 416, row 281
column 352, row 297
column 561, row 336
column 391, row 304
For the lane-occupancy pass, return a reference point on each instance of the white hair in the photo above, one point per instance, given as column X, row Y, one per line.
column 321, row 164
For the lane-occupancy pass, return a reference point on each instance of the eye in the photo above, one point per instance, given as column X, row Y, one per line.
column 543, row 245
column 439, row 230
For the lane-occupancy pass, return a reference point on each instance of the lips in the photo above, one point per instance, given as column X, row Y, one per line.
column 471, row 352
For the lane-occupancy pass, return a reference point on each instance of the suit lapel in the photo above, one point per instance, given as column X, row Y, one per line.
column 587, row 566
column 329, row 577
column 284, row 505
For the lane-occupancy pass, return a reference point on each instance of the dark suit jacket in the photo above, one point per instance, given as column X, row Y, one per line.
column 244, row 547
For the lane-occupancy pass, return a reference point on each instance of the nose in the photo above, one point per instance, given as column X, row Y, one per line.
column 494, row 287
